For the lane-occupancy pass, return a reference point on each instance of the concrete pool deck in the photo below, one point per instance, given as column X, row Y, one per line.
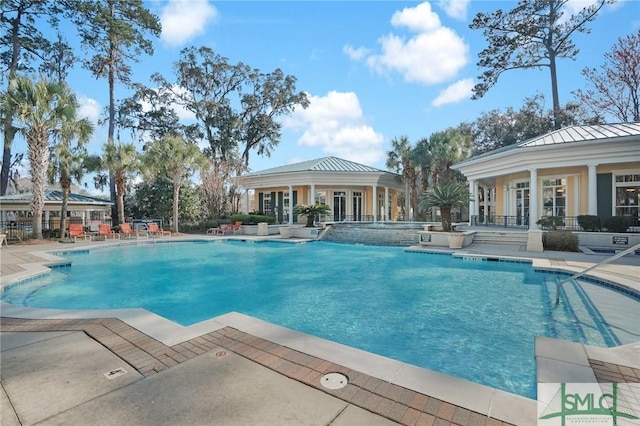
column 235, row 369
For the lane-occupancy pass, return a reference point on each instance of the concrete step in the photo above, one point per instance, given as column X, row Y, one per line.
column 483, row 237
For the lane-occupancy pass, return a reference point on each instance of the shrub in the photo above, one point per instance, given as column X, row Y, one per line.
column 198, row 226
column 252, row 219
column 551, row 222
column 560, row 241
column 615, row 224
column 589, row 222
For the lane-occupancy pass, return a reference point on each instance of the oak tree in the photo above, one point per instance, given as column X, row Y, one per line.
column 615, row 88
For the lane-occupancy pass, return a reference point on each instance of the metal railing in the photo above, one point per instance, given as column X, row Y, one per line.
column 346, row 218
column 592, row 267
column 620, row 224
column 500, row 221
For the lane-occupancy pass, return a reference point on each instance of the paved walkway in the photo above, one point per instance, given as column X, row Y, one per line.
column 107, row 371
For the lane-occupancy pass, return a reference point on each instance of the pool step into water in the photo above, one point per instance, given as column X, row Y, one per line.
column 586, row 323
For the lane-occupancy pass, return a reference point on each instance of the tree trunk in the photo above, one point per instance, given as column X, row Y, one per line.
column 176, row 197
column 445, row 217
column 6, row 161
column 407, row 201
column 39, row 161
column 7, row 116
column 310, row 220
column 116, row 216
column 66, row 185
column 119, row 181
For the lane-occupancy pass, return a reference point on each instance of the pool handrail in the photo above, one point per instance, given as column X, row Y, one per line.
column 592, row 267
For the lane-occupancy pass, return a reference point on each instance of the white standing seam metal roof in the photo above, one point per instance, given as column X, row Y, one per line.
column 584, row 133
column 54, row 196
column 325, row 164
column 571, row 134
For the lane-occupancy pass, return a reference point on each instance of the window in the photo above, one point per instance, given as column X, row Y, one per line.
column 627, row 193
column 266, row 203
column 554, row 197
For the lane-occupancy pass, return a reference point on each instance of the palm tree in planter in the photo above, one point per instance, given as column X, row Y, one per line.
column 446, row 196
column 311, row 211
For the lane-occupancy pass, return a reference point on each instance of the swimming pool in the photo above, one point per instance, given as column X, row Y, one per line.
column 471, row 319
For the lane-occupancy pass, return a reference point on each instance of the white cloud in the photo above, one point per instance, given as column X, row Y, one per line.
column 355, row 54
column 335, row 123
column 88, row 108
column 431, row 54
column 458, row 91
column 418, row 19
column 456, row 9
column 183, row 20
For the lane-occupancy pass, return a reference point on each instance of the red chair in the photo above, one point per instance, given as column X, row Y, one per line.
column 237, row 227
column 104, row 230
column 224, row 229
column 154, row 229
column 77, row 231
column 125, row 229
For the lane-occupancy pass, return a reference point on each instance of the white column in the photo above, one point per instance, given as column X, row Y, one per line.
column 533, row 198
column 506, row 207
column 386, row 204
column 592, row 193
column 290, row 205
column 473, row 203
column 312, row 195
column 485, row 204
column 374, row 203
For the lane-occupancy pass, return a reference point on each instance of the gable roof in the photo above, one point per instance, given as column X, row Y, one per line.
column 324, row 164
column 54, row 196
column 571, row 134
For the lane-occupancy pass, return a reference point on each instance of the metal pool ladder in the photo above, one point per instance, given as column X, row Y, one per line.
column 592, row 267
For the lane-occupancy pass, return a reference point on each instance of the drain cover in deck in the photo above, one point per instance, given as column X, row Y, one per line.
column 334, row 381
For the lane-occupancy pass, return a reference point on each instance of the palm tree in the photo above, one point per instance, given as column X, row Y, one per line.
column 122, row 160
column 311, row 211
column 176, row 159
column 399, row 159
column 446, row 196
column 41, row 110
column 68, row 162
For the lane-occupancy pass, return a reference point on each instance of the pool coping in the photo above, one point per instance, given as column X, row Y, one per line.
column 482, row 399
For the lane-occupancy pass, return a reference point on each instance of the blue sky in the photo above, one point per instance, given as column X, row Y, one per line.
column 373, row 70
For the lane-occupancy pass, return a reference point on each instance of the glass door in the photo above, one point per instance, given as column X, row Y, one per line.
column 339, row 205
column 357, row 206
column 522, row 204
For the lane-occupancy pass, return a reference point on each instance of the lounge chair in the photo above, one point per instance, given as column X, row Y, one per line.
column 77, row 231
column 155, row 230
column 212, row 231
column 237, row 227
column 127, row 232
column 104, row 230
column 224, row 229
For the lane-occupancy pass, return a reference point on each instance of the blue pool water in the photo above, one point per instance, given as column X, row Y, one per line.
column 471, row 319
